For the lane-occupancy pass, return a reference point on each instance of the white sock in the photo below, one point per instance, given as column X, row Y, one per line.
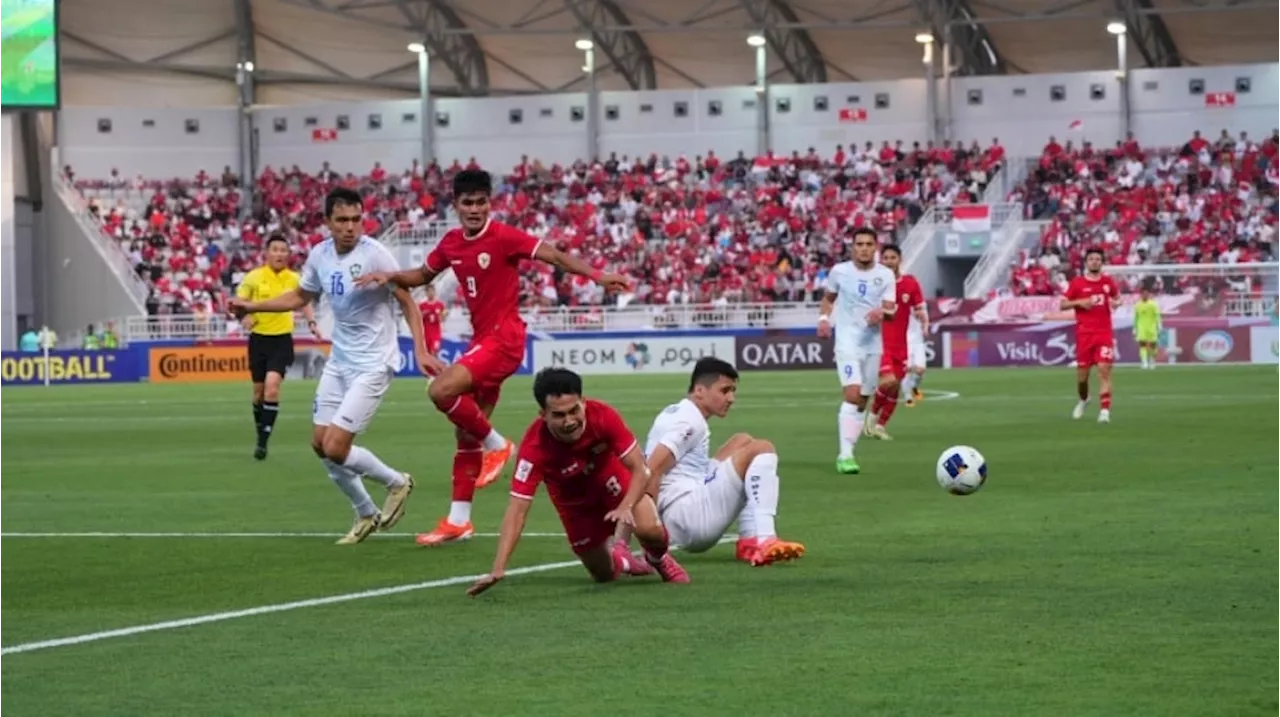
column 361, row 461
column 909, row 385
column 351, row 485
column 494, row 441
column 850, row 424
column 762, row 493
column 459, row 512
column 747, row 520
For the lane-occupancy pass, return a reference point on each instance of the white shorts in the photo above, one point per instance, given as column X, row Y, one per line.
column 858, row 369
column 348, row 398
column 697, row 520
column 917, row 357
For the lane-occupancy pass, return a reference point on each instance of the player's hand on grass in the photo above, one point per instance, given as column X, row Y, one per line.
column 373, row 278
column 621, row 514
column 484, row 584
column 614, row 283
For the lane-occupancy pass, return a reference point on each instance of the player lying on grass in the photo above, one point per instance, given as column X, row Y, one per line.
column 485, row 257
column 588, row 459
column 861, row 294
column 1094, row 296
column 362, row 362
column 698, row 496
column 896, row 359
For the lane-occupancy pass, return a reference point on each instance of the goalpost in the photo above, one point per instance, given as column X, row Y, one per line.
column 1239, row 290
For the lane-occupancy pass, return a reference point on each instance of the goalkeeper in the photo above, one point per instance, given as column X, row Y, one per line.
column 1146, row 327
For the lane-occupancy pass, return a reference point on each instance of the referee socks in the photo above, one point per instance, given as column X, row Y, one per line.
column 270, row 409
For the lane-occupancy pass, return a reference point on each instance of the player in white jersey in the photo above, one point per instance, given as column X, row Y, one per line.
column 862, row 294
column 362, row 360
column 699, row 496
column 917, row 361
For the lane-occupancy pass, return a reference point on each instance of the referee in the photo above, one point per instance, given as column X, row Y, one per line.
column 271, row 336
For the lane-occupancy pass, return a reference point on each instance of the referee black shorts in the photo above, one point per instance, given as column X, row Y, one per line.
column 269, row 353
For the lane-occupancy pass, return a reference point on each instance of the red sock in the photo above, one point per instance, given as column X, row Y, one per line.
column 466, row 468
column 465, row 413
column 1104, row 400
column 655, row 549
column 888, row 404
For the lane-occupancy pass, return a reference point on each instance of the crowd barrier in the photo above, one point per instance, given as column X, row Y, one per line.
column 1194, row 341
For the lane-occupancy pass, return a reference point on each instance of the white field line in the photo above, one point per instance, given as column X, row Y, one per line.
column 279, row 607
column 240, row 535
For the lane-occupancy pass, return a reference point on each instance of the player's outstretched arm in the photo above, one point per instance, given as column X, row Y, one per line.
column 429, row 365
column 508, row 537
column 288, row 301
column 405, row 279
column 634, row 461
column 574, row 265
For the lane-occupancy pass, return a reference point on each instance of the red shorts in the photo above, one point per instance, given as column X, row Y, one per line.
column 895, row 363
column 1094, row 350
column 433, row 344
column 491, row 361
column 583, row 520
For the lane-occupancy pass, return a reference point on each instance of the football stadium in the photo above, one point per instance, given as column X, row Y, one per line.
column 771, row 357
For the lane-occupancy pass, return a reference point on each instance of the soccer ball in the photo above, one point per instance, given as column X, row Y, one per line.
column 962, row 470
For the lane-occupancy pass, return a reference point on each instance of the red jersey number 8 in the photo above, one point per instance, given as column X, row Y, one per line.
column 613, row 486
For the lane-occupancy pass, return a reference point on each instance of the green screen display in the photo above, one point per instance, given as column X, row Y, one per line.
column 29, row 67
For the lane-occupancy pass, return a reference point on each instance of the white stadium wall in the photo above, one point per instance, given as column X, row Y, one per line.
column 1018, row 109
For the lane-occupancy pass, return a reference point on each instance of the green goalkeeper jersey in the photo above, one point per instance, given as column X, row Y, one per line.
column 1146, row 317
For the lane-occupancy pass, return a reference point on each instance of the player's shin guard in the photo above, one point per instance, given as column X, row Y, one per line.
column 270, row 410
column 465, row 413
column 850, row 425
column 349, row 483
column 1104, row 400
column 762, row 493
column 257, row 416
column 888, row 403
column 466, row 467
column 361, row 461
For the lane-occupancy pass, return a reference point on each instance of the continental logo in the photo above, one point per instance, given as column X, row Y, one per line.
column 199, row 364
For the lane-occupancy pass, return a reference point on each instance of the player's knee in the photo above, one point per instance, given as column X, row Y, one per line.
column 853, row 394
column 271, row 392
column 336, row 445
column 441, row 394
column 759, row 447
column 317, row 446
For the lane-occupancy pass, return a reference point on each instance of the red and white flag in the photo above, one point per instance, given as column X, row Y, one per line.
column 1076, row 124
column 853, row 114
column 324, row 135
column 968, row 218
column 1220, row 99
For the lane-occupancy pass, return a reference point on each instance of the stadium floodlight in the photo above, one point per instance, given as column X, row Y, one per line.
column 417, row 48
column 1115, row 27
column 584, row 44
column 756, row 40
column 924, row 38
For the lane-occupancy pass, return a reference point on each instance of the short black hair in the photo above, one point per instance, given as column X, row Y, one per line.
column 277, row 237
column 341, row 196
column 866, row 230
column 1094, row 250
column 891, row 247
column 555, row 382
column 709, row 369
column 470, row 181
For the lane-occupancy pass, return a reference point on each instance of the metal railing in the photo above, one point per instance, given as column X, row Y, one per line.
column 425, row 235
column 108, row 246
column 992, row 268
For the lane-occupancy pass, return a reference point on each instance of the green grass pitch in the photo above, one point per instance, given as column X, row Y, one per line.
column 1122, row 569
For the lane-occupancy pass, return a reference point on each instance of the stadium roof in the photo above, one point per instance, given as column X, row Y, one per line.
column 314, row 50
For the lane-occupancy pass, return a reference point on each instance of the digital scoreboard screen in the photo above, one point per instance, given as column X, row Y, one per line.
column 29, row 54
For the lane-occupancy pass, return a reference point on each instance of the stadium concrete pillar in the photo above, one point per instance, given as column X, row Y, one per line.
column 762, row 93
column 931, row 84
column 1121, row 32
column 588, row 48
column 948, row 70
column 8, row 236
column 427, row 151
column 244, row 133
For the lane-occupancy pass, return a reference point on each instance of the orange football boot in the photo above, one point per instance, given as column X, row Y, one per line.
column 772, row 550
column 493, row 464
column 446, row 532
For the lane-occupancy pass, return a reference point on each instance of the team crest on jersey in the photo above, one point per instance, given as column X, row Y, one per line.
column 483, row 260
column 877, row 281
column 599, row 448
column 354, row 270
column 906, row 298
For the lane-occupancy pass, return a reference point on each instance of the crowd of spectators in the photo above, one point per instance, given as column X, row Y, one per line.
column 1203, row 202
column 701, row 230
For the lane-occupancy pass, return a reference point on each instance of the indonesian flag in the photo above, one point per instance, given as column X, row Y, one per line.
column 968, row 218
column 1076, row 124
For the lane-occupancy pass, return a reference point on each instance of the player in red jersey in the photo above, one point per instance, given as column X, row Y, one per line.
column 588, row 458
column 1093, row 296
column 433, row 314
column 485, row 256
column 894, row 359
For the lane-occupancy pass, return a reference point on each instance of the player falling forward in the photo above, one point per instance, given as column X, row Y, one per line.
column 362, row 361
column 588, row 459
column 485, row 256
column 1146, row 327
column 1093, row 296
column 862, row 294
column 434, row 312
column 699, row 497
column 896, row 359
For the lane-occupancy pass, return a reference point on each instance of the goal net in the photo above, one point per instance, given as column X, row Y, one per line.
column 1246, row 289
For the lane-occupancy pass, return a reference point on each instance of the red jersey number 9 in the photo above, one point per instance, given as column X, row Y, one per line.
column 471, row 286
